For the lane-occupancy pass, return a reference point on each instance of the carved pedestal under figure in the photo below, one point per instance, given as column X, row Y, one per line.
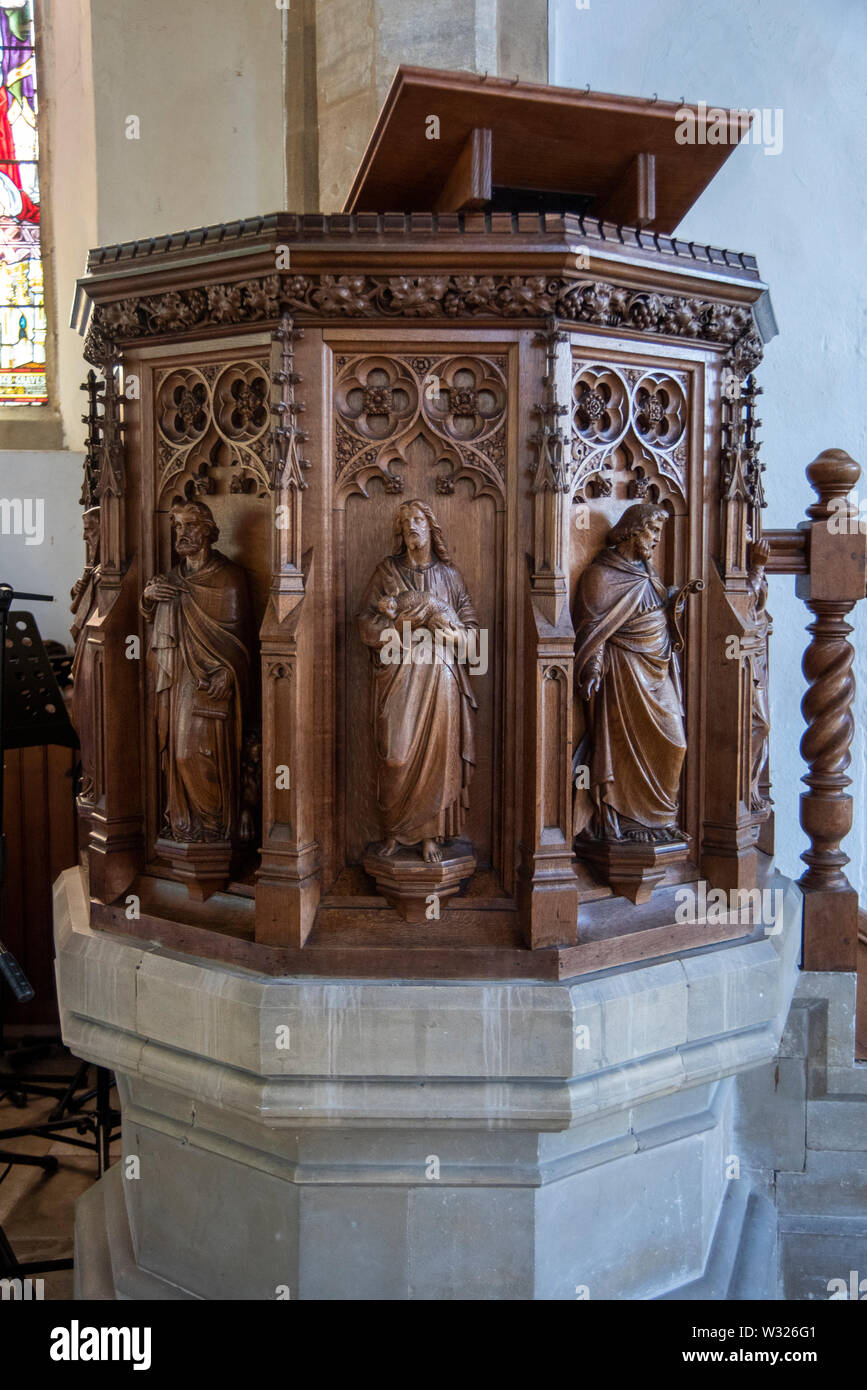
column 627, row 768
column 418, row 621
column 200, row 648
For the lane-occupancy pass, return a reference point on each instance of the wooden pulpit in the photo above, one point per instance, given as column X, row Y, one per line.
column 424, row 630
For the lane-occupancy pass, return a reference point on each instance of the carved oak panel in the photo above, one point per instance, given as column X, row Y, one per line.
column 431, row 426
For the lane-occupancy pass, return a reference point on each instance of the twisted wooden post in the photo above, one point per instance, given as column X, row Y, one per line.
column 831, row 588
column 826, row 809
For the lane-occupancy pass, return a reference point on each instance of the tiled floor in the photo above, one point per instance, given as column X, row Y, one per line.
column 37, row 1209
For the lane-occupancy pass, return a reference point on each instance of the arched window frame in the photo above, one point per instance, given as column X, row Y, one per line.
column 39, row 426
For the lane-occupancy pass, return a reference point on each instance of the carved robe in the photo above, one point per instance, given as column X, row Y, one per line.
column 423, row 711
column 200, row 736
column 635, row 741
column 761, row 712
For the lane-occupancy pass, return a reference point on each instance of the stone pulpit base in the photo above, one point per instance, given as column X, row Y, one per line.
column 355, row 1140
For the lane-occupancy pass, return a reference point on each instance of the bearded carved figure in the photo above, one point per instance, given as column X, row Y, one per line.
column 200, row 647
column 627, row 673
column 417, row 619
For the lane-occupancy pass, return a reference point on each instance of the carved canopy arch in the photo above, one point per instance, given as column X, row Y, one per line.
column 456, row 404
column 629, row 420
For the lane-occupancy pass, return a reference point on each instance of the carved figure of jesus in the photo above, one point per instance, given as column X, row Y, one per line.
column 627, row 672
column 200, row 646
column 423, row 709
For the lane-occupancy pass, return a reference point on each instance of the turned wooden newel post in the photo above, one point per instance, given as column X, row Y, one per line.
column 834, row 584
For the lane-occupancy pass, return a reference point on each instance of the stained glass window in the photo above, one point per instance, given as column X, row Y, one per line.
column 22, row 301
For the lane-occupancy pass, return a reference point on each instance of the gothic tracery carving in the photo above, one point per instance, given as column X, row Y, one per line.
column 208, row 418
column 458, row 403
column 640, row 416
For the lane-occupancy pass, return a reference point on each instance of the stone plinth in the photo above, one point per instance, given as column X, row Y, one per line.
column 359, row 1140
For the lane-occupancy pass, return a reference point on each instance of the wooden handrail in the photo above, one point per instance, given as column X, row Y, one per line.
column 829, row 556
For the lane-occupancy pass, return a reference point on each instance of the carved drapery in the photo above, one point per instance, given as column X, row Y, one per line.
column 388, row 398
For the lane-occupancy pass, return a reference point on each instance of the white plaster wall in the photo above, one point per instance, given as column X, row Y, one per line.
column 803, row 213
column 205, row 79
column 51, row 567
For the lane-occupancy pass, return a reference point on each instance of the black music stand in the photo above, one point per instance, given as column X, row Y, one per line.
column 32, row 712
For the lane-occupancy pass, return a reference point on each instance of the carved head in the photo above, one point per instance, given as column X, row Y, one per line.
column 637, row 533
column 90, row 522
column 194, row 526
column 415, row 525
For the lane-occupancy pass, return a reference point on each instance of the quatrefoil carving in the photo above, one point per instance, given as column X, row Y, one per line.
column 182, row 407
column 660, row 411
column 212, row 417
column 601, row 405
column 241, row 402
column 641, row 412
column 377, row 398
column 470, row 399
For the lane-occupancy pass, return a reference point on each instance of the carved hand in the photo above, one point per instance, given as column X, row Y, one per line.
column 160, row 590
column 760, row 553
column 447, row 619
column 593, row 682
column 417, row 614
column 220, row 683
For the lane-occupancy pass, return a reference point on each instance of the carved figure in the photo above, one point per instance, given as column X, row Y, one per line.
column 627, row 672
column 84, row 603
column 200, row 646
column 761, row 713
column 417, row 618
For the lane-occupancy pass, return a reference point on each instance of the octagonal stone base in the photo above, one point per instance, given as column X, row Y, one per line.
column 346, row 1140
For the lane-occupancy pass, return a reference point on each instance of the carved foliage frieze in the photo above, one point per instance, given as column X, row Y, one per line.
column 457, row 403
column 425, row 297
column 620, row 414
column 211, row 418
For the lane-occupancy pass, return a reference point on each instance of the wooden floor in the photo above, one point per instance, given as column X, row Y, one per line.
column 37, row 1210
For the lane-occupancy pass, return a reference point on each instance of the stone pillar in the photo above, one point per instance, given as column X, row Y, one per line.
column 359, row 48
column 354, row 1140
